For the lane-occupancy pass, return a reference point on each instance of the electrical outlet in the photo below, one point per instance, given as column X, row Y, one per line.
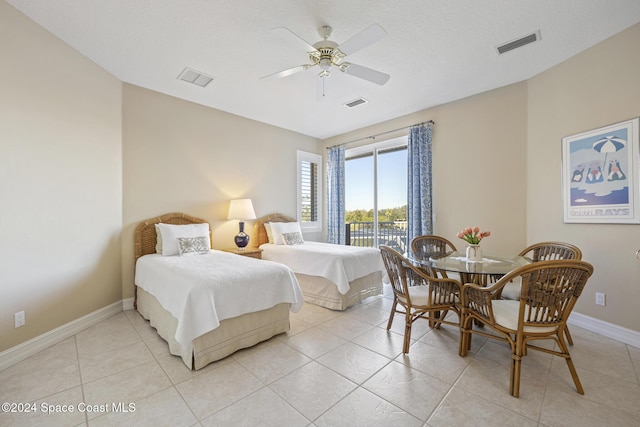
column 19, row 319
column 600, row 298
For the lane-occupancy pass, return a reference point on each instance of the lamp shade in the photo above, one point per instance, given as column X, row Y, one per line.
column 241, row 209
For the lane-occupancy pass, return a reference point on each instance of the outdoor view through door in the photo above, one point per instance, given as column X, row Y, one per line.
column 376, row 195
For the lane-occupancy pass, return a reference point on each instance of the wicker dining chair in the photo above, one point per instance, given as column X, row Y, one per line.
column 543, row 251
column 418, row 294
column 427, row 245
column 550, row 290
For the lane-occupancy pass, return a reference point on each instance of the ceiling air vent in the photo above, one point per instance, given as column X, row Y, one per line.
column 196, row 77
column 529, row 38
column 356, row 102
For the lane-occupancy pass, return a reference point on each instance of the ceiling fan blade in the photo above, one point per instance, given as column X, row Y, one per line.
column 363, row 39
column 287, row 72
column 366, row 73
column 308, row 46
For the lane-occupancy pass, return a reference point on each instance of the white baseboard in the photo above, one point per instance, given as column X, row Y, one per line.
column 127, row 304
column 609, row 330
column 22, row 351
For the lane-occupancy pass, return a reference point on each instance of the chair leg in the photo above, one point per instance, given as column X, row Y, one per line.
column 517, row 350
column 574, row 375
column 407, row 333
column 393, row 313
column 434, row 323
column 465, row 336
column 514, row 380
column 568, row 335
column 462, row 347
column 572, row 368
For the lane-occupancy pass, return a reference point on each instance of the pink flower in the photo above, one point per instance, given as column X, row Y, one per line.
column 473, row 235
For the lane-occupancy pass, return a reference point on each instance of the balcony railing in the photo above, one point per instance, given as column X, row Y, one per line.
column 390, row 233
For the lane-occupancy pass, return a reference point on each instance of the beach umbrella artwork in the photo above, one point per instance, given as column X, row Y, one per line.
column 609, row 144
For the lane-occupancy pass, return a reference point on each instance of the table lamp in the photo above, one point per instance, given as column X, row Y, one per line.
column 241, row 209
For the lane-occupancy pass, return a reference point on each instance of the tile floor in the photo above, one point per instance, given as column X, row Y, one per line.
column 331, row 369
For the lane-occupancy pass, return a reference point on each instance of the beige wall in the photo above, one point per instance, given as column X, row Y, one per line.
column 60, row 181
column 183, row 157
column 479, row 167
column 600, row 86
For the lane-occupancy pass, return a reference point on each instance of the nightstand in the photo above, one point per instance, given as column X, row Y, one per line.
column 250, row 252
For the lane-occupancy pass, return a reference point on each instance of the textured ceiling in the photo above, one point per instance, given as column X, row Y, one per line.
column 436, row 51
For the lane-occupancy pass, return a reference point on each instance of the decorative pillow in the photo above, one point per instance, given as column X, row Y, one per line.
column 193, row 245
column 267, row 228
column 279, row 228
column 170, row 234
column 292, row 238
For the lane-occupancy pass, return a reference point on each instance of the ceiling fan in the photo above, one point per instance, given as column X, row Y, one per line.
column 327, row 54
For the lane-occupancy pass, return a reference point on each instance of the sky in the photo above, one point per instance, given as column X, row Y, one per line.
column 392, row 181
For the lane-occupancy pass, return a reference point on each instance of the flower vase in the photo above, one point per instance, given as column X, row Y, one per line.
column 474, row 253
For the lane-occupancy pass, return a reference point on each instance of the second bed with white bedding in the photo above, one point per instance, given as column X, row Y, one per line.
column 338, row 263
column 333, row 276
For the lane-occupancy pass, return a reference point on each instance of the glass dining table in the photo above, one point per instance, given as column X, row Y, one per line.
column 484, row 272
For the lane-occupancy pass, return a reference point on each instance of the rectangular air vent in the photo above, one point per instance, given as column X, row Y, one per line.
column 356, row 102
column 529, row 38
column 195, row 77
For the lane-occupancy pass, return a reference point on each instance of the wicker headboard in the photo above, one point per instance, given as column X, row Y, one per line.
column 261, row 233
column 145, row 234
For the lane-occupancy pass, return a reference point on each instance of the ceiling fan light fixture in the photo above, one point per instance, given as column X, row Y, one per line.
column 325, row 63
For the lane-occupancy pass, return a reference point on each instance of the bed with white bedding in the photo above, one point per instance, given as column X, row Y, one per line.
column 205, row 303
column 332, row 276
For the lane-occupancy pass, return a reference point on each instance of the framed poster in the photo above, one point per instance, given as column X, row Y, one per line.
column 600, row 175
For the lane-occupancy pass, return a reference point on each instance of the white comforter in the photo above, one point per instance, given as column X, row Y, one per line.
column 202, row 290
column 338, row 263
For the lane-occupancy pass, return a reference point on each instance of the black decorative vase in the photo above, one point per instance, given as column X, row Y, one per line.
column 242, row 238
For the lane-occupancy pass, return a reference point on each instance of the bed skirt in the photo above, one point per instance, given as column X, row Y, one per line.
column 321, row 291
column 232, row 334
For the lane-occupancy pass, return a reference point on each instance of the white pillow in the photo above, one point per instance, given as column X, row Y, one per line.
column 279, row 228
column 267, row 228
column 170, row 234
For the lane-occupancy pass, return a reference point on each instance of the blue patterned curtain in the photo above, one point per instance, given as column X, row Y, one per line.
column 419, row 211
column 335, row 195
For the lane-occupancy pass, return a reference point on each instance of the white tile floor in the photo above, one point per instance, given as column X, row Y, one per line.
column 331, row 369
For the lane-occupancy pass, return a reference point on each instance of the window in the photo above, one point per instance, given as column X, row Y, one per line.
column 376, row 194
column 310, row 191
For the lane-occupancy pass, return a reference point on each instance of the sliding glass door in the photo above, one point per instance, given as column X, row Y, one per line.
column 376, row 195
